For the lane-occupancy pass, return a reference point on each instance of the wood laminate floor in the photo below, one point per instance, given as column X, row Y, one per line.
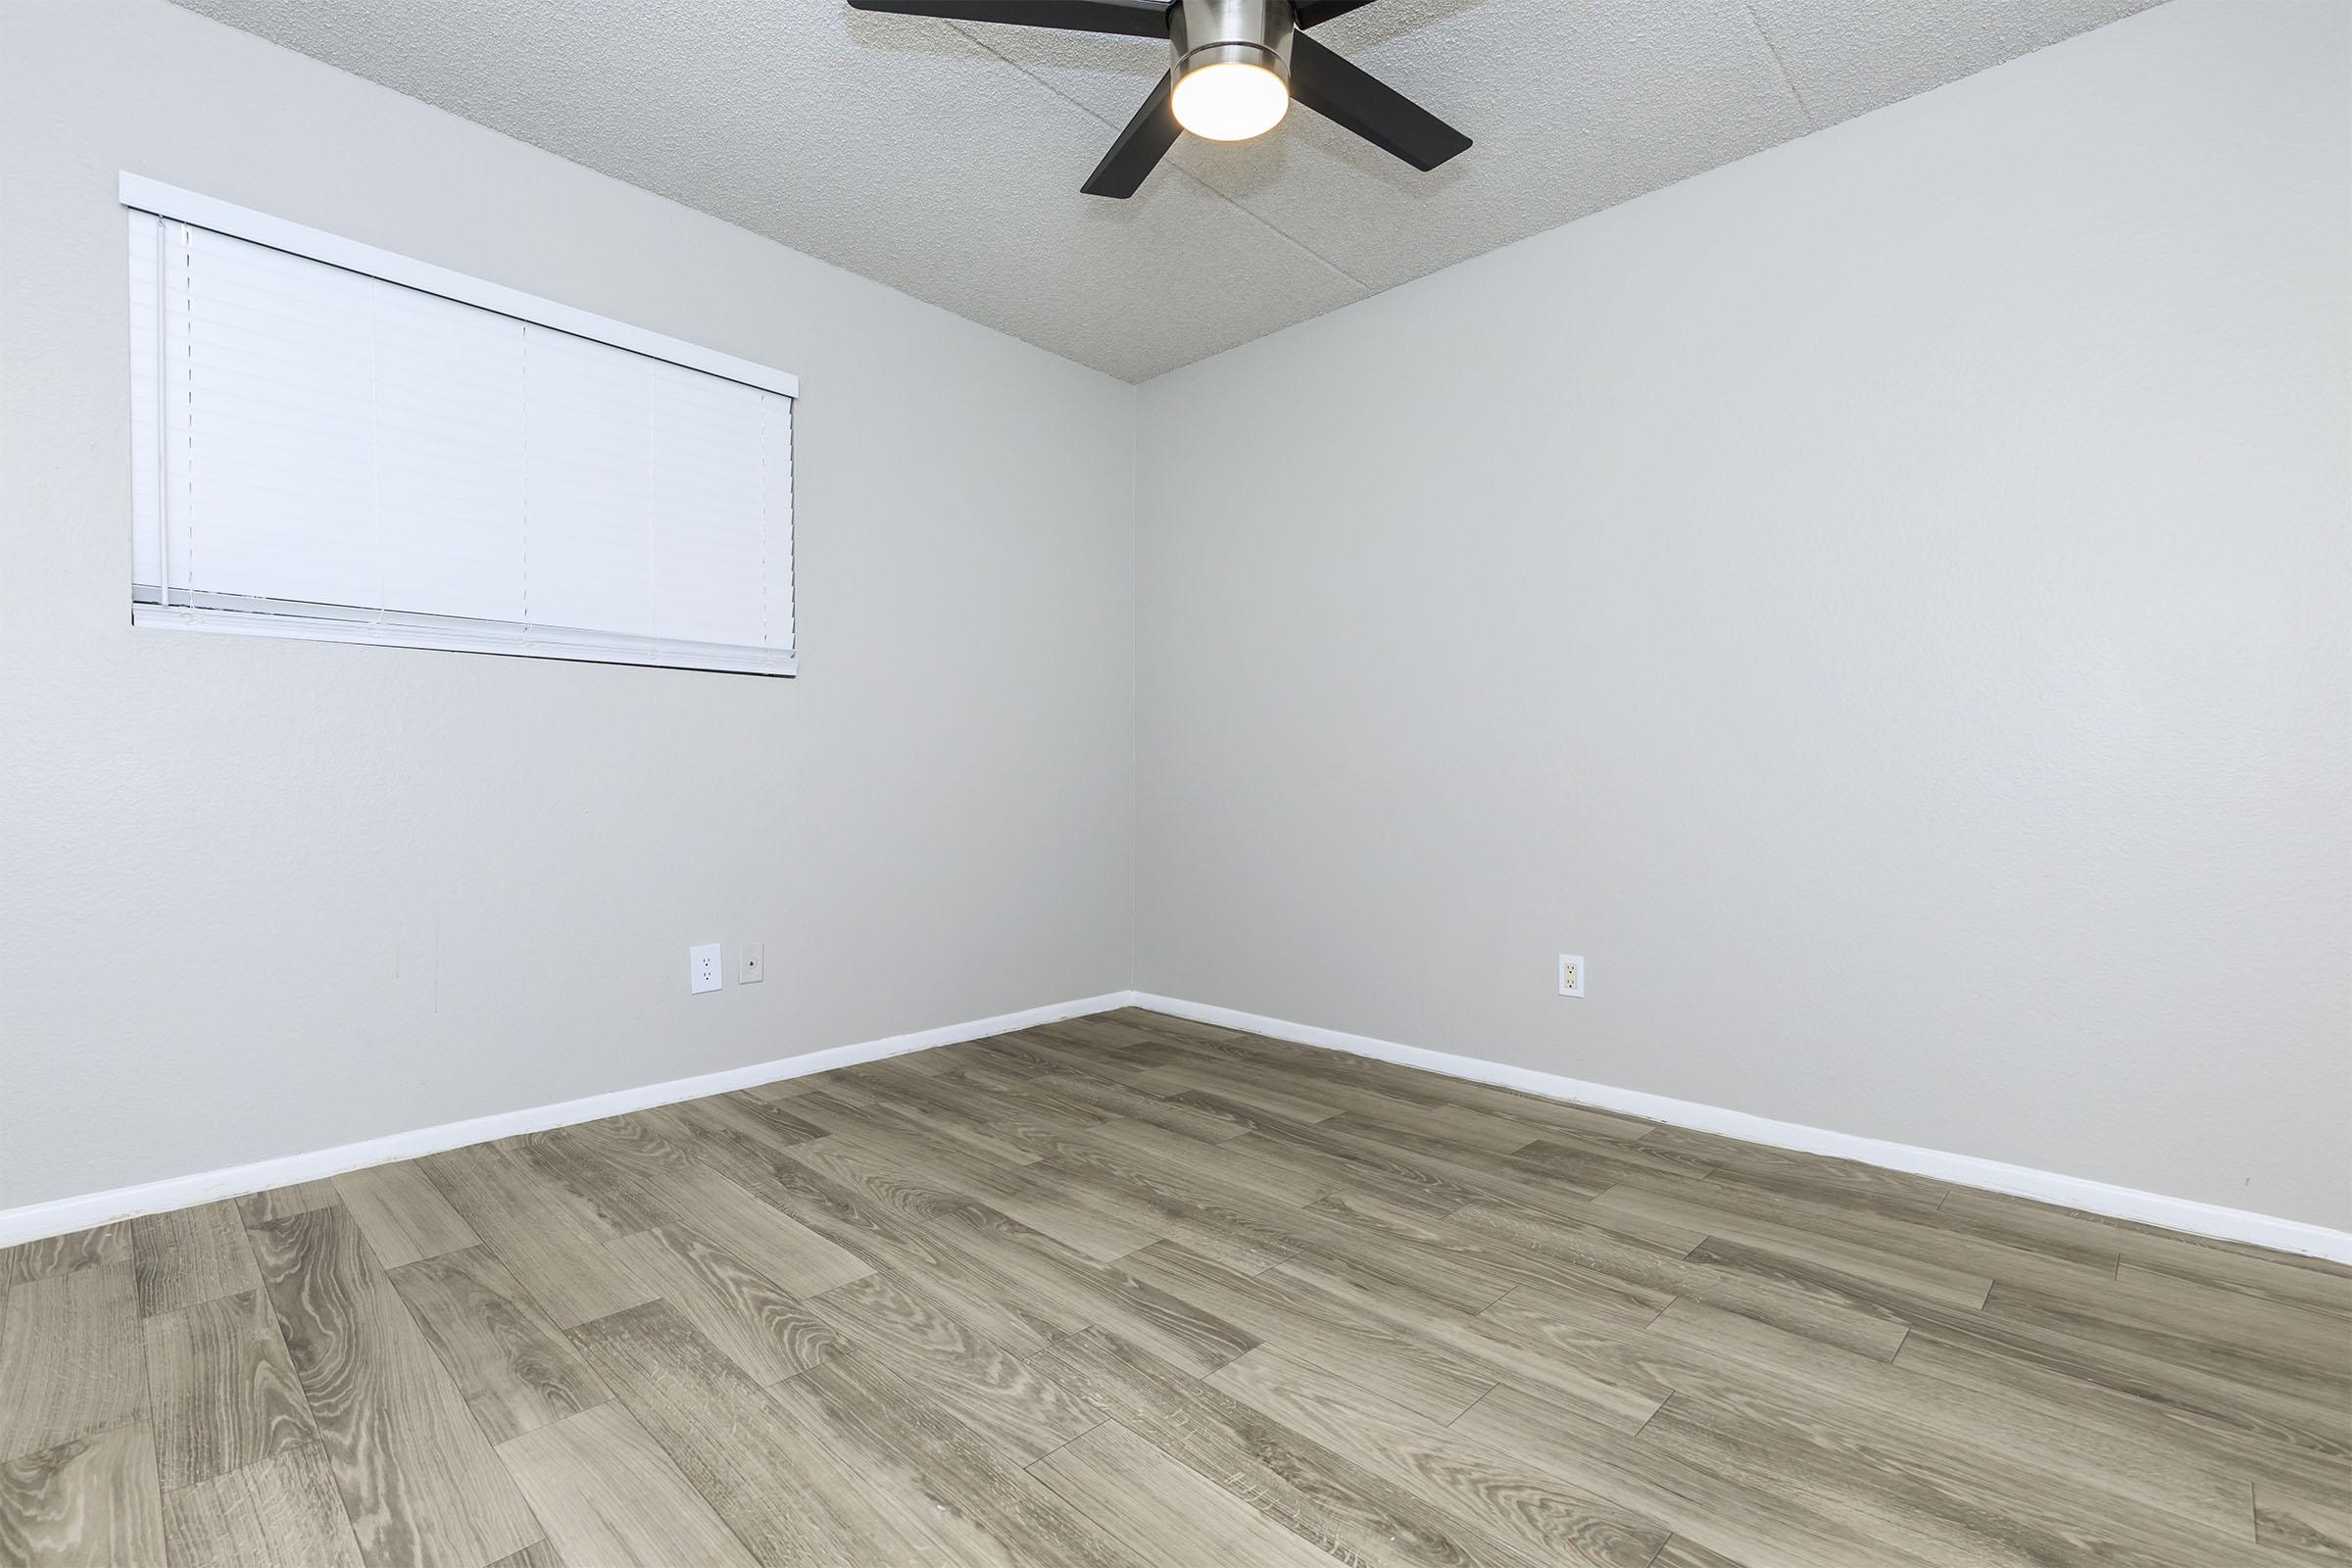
column 1130, row 1289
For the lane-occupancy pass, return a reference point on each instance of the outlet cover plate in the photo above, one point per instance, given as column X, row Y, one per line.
column 1572, row 975
column 703, row 971
column 751, row 963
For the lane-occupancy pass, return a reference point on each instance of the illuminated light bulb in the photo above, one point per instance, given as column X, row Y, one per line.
column 1231, row 101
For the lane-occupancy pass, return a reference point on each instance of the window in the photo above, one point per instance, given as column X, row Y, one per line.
column 333, row 442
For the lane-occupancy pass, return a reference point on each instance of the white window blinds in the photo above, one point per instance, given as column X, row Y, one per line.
column 320, row 450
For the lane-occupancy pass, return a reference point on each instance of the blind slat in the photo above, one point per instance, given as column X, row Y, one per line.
column 317, row 447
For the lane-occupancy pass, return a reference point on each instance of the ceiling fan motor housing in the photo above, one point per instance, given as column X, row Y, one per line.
column 1246, row 33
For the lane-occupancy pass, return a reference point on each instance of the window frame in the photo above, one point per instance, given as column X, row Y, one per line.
column 180, row 609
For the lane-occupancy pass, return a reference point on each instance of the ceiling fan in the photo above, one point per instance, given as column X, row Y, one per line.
column 1237, row 66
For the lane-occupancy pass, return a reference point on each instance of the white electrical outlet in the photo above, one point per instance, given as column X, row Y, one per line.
column 1572, row 975
column 751, row 963
column 703, row 971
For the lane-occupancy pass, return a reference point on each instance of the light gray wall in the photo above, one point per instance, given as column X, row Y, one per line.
column 1883, row 603
column 259, row 898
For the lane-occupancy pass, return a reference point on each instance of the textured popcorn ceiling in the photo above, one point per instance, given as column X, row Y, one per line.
column 945, row 160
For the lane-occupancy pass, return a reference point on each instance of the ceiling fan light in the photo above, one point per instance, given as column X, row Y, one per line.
column 1231, row 100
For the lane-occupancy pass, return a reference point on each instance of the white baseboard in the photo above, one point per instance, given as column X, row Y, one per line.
column 64, row 1214
column 1966, row 1170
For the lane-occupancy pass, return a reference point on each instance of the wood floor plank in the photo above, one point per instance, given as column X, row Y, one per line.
column 1607, row 1162
column 1800, row 1173
column 763, row 1237
column 1262, row 1088
column 256, row 1209
column 1549, row 1520
column 2309, row 1282
column 756, row 1322
column 1681, row 1554
column 1116, row 1048
column 919, row 1332
column 767, row 1125
column 1145, row 1024
column 1864, row 1265
column 514, row 1369
column 1031, row 1276
column 1993, row 1246
column 1928, row 1240
column 91, row 1503
column 1547, row 1172
column 2306, row 1282
column 1897, row 1498
column 420, row 1484
column 1813, row 1279
column 610, row 1495
column 780, row 1090
column 1758, row 1525
column 1586, row 1305
column 190, row 1255
column 944, row 1479
column 1980, row 1477
column 997, row 1126
column 1247, row 1231
column 2254, row 1344
column 94, row 1248
column 1050, row 1053
column 1237, row 1229
column 1312, row 1064
column 787, row 1498
column 223, row 1391
column 1428, row 1379
column 403, row 1214
column 2304, row 1523
column 2060, row 1389
column 545, row 1237
column 636, row 1148
column 1099, row 1225
column 1296, row 1483
column 1351, row 1097
column 1434, row 1114
column 1163, row 1040
column 859, row 1216
column 1563, row 1350
column 538, row 1554
column 1075, row 1091
column 771, row 1115
column 281, row 1513
column 1310, row 1161
column 664, row 1180
column 1536, row 1110
column 1395, row 1163
column 602, row 1180
column 72, row 1360
column 1167, row 1515
column 1805, row 1306
column 2314, row 1336
column 1367, row 1230
column 2300, row 1430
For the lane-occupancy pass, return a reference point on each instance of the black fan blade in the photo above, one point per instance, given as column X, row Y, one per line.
column 1139, row 147
column 1141, row 18
column 1375, row 111
column 1311, row 12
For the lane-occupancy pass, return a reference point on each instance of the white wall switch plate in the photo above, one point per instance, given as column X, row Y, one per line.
column 702, row 972
column 751, row 963
column 1572, row 975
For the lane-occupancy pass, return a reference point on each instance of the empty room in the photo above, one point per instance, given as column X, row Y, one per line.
column 1175, row 783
